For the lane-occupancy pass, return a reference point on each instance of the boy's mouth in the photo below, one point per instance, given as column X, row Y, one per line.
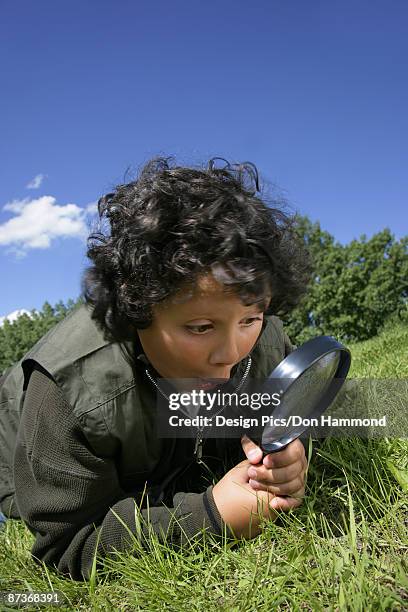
column 206, row 383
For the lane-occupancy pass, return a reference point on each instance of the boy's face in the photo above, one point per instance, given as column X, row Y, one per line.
column 201, row 336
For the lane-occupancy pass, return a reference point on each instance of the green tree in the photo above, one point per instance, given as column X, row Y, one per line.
column 18, row 337
column 354, row 288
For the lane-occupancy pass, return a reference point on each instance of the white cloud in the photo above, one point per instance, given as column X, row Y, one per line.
column 40, row 221
column 16, row 206
column 92, row 208
column 13, row 316
column 35, row 183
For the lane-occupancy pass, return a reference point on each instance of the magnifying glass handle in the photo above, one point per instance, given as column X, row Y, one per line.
column 271, row 451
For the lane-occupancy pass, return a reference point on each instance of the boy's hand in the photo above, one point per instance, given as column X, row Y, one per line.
column 241, row 507
column 282, row 473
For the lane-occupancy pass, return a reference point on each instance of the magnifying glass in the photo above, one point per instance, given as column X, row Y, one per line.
column 307, row 380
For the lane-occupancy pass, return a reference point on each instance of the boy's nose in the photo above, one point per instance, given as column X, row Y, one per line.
column 226, row 354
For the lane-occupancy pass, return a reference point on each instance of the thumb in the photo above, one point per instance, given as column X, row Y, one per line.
column 252, row 451
column 285, row 503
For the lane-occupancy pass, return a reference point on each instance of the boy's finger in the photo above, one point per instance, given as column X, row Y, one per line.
column 285, row 503
column 287, row 488
column 252, row 451
column 276, row 476
column 292, row 453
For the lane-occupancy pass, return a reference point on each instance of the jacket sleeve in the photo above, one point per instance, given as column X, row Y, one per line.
column 71, row 499
column 289, row 347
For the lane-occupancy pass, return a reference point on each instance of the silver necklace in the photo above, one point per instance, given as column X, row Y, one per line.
column 198, row 446
column 237, row 388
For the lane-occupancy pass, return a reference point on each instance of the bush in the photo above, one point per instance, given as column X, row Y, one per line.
column 18, row 337
column 355, row 287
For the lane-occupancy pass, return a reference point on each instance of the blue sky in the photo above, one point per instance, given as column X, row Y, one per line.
column 314, row 93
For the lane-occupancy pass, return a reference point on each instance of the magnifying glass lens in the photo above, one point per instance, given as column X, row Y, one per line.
column 300, row 402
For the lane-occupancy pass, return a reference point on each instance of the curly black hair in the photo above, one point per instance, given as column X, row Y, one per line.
column 174, row 224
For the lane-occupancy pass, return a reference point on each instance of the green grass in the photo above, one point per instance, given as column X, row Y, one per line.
column 385, row 356
column 346, row 548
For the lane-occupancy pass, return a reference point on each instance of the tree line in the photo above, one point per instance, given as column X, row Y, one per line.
column 355, row 288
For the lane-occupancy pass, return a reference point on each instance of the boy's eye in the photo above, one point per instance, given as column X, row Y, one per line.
column 198, row 329
column 201, row 329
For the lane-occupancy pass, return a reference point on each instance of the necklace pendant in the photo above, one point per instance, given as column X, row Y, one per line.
column 198, row 448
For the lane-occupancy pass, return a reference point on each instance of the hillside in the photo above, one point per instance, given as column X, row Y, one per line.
column 384, row 356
